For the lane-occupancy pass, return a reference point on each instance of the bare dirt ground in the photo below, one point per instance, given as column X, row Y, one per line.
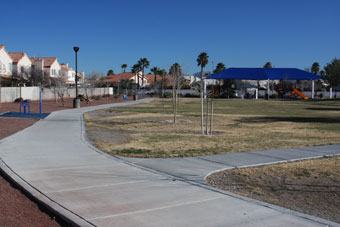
column 311, row 187
column 15, row 208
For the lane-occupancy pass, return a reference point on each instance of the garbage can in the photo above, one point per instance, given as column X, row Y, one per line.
column 135, row 97
column 76, row 103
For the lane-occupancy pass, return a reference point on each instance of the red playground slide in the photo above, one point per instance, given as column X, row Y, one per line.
column 296, row 91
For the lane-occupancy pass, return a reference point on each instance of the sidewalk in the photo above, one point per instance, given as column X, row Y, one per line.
column 53, row 161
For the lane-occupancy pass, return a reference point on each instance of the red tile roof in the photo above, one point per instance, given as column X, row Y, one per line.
column 47, row 61
column 64, row 66
column 2, row 46
column 117, row 77
column 16, row 56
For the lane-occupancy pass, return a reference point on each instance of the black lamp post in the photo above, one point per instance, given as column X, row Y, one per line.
column 76, row 100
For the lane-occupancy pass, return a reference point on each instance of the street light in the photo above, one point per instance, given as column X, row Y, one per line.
column 76, row 100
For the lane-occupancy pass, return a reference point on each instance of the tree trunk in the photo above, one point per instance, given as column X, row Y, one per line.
column 174, row 103
column 211, row 111
column 202, row 123
column 207, row 116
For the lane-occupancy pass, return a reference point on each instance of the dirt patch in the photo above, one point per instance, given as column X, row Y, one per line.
column 311, row 187
column 17, row 210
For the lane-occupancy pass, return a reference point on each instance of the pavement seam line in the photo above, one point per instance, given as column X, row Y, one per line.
column 158, row 208
column 70, row 168
column 99, row 186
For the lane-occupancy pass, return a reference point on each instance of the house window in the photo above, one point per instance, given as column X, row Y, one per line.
column 22, row 69
column 54, row 72
column 10, row 67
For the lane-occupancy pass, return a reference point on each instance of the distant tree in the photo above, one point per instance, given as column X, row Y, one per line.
column 124, row 66
column 202, row 60
column 333, row 72
column 155, row 71
column 60, row 88
column 110, row 72
column 135, row 69
column 143, row 63
column 125, row 83
column 177, row 82
column 315, row 68
column 38, row 77
column 322, row 73
column 163, row 82
column 219, row 67
column 268, row 65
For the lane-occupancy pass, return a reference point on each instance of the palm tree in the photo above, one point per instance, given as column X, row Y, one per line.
column 163, row 74
column 268, row 65
column 110, row 72
column 219, row 67
column 315, row 68
column 143, row 63
column 124, row 66
column 155, row 71
column 135, row 69
column 202, row 60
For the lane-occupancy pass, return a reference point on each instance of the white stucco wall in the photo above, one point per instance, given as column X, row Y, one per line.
column 55, row 66
column 5, row 63
column 25, row 63
column 9, row 94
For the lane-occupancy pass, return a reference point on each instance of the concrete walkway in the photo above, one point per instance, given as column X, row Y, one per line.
column 52, row 161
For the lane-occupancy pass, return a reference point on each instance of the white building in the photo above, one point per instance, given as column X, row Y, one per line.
column 67, row 73
column 21, row 63
column 50, row 66
column 5, row 63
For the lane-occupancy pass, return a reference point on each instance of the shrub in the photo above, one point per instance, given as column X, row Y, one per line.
column 19, row 100
column 95, row 97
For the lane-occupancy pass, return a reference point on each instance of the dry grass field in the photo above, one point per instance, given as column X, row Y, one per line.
column 147, row 130
column 310, row 186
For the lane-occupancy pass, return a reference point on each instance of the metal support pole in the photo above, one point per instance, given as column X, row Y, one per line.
column 330, row 93
column 268, row 89
column 76, row 77
column 257, row 91
column 40, row 103
column 312, row 89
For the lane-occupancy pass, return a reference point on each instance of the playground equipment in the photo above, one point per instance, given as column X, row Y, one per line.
column 296, row 91
column 25, row 104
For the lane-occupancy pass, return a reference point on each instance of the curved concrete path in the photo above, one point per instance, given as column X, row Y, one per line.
column 52, row 161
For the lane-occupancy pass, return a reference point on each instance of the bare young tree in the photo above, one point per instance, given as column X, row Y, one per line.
column 177, row 81
column 60, row 88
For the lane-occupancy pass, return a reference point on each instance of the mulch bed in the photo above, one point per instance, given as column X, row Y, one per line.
column 15, row 208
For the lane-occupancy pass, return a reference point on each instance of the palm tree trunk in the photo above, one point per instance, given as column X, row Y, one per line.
column 202, row 123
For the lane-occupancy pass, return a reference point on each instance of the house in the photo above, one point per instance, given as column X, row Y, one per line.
column 49, row 65
column 151, row 79
column 115, row 79
column 21, row 64
column 5, row 63
column 67, row 73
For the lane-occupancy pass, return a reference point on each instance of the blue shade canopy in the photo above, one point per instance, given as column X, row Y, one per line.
column 264, row 74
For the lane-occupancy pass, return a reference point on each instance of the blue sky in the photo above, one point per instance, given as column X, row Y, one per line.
column 244, row 33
